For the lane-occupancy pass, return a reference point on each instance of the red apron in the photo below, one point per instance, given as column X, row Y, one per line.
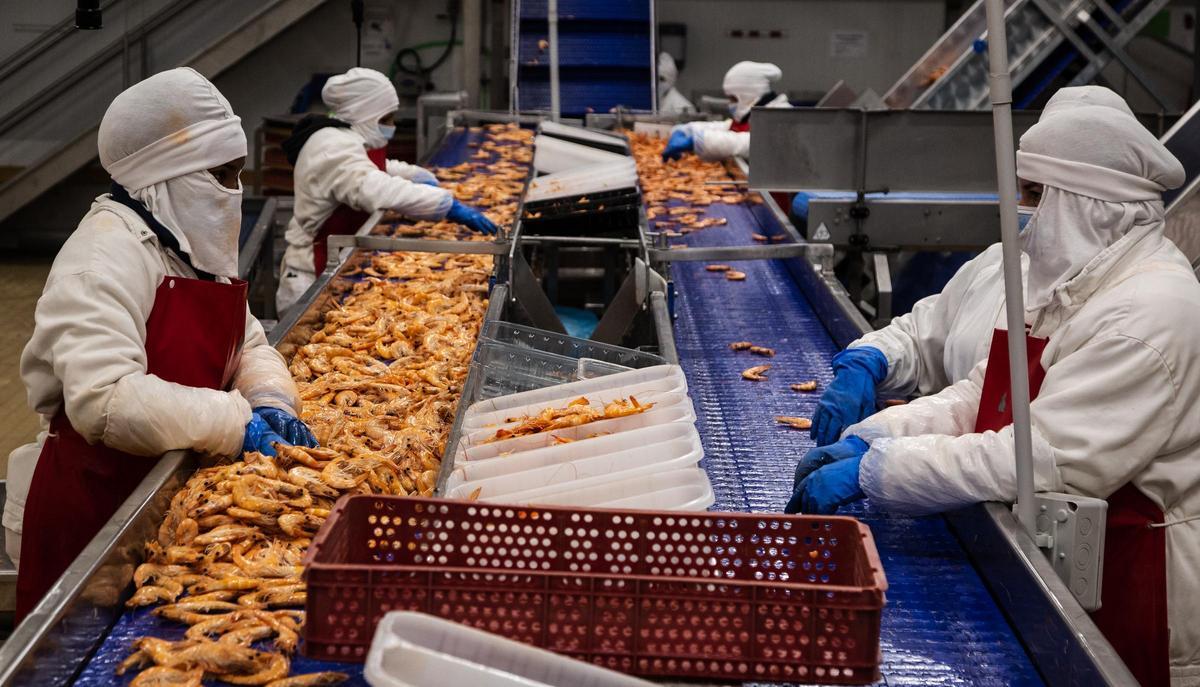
column 1134, row 588
column 194, row 337
column 344, row 220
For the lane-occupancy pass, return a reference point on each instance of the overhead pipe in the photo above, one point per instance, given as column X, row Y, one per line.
column 552, row 20
column 1000, row 83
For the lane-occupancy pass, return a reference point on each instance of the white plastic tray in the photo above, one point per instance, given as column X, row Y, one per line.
column 658, row 378
column 552, row 155
column 644, row 438
column 661, row 402
column 417, row 650
column 608, row 176
column 531, row 486
column 687, row 489
column 682, row 413
column 583, row 134
column 660, row 392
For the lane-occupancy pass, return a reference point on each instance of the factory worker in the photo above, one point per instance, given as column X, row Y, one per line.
column 342, row 175
column 748, row 85
column 670, row 100
column 142, row 340
column 1114, row 315
column 946, row 334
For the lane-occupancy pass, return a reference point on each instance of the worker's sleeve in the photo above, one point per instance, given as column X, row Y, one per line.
column 915, row 343
column 262, row 376
column 341, row 169
column 410, row 172
column 714, row 144
column 92, row 324
column 950, row 412
column 1104, row 412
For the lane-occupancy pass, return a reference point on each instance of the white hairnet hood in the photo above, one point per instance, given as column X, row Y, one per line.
column 1072, row 97
column 157, row 139
column 748, row 82
column 361, row 96
column 668, row 73
column 1104, row 174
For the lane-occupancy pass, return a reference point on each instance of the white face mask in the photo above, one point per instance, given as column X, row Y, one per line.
column 387, row 131
column 374, row 134
column 204, row 216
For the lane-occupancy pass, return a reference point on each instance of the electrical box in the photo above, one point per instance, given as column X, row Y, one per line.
column 1070, row 531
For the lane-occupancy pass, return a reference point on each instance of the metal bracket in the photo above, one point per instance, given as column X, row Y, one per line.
column 528, row 295
column 883, row 288
column 1070, row 531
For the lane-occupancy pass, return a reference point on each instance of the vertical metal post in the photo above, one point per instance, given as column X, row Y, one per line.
column 1196, row 51
column 552, row 20
column 1006, row 174
column 472, row 13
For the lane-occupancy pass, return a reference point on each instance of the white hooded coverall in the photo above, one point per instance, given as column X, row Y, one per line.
column 333, row 169
column 945, row 335
column 87, row 351
column 747, row 82
column 1121, row 309
column 670, row 100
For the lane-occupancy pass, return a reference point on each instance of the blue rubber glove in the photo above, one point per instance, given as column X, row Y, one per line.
column 819, row 457
column 428, row 182
column 291, row 428
column 470, row 218
column 424, row 176
column 681, row 142
column 851, row 396
column 260, row 436
column 828, row 489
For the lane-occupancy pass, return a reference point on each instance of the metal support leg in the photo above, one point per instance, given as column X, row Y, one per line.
column 883, row 289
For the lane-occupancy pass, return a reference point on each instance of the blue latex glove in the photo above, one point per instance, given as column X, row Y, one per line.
column 470, row 218
column 428, row 182
column 291, row 428
column 819, row 457
column 260, row 436
column 681, row 142
column 828, row 489
column 851, row 396
column 424, row 176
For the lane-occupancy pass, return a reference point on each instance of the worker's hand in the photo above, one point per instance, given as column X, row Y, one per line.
column 291, row 428
column 470, row 218
column 681, row 141
column 260, row 436
column 827, row 489
column 817, row 458
column 851, row 395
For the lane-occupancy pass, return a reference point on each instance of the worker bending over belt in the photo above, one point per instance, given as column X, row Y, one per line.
column 342, row 175
column 748, row 85
column 142, row 340
column 670, row 100
column 1114, row 312
column 946, row 334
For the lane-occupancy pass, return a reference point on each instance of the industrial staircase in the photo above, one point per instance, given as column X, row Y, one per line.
column 58, row 87
column 1051, row 43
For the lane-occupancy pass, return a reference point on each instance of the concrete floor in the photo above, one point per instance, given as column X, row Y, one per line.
column 21, row 281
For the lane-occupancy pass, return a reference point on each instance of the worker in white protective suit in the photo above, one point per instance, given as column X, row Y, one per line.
column 946, row 334
column 748, row 85
column 670, row 100
column 142, row 340
column 1114, row 313
column 342, row 175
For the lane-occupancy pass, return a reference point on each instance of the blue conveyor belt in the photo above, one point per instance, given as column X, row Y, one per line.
column 940, row 625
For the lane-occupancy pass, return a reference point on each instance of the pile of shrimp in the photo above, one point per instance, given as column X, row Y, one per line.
column 380, row 383
column 576, row 413
column 681, row 180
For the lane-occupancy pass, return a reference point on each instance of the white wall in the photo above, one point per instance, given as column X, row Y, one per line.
column 897, row 33
column 266, row 82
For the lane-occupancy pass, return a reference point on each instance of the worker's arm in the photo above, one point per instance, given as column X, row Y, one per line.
column 950, row 412
column 712, row 143
column 414, row 173
column 91, row 325
column 336, row 165
column 262, row 377
column 1104, row 412
column 915, row 343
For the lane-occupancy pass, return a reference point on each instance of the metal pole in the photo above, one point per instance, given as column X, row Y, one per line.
column 472, row 49
column 552, row 20
column 1006, row 174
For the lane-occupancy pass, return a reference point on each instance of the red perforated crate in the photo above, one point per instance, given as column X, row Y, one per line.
column 689, row 595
